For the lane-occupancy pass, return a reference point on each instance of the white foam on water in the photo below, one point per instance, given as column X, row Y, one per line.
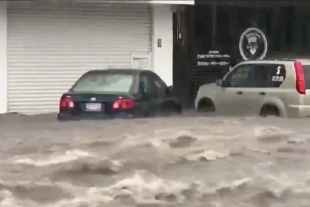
column 207, row 155
column 147, row 188
column 55, row 158
column 157, row 138
column 270, row 131
column 7, row 199
column 144, row 187
column 93, row 197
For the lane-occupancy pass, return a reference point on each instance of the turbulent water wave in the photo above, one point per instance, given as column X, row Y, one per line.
column 35, row 191
column 54, row 159
column 206, row 161
column 145, row 188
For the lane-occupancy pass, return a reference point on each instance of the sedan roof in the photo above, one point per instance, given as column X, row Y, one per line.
column 120, row 71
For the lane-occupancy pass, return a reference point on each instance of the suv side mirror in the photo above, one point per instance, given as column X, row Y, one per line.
column 219, row 82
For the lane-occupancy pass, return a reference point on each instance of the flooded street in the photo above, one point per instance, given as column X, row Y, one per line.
column 180, row 161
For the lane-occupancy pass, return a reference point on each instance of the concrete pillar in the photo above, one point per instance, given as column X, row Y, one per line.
column 162, row 32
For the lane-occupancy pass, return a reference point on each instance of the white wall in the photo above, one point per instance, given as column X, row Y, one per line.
column 184, row 2
column 3, row 57
column 162, row 29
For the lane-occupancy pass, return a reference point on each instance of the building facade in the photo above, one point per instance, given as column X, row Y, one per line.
column 45, row 47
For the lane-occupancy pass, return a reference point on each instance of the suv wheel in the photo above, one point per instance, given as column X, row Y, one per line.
column 206, row 106
column 269, row 111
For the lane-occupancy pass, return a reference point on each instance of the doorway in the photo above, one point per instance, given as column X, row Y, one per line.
column 214, row 30
column 182, row 19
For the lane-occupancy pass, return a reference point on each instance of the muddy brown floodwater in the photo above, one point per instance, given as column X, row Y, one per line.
column 181, row 161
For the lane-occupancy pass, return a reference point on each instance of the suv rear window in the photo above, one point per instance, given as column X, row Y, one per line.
column 307, row 75
column 104, row 83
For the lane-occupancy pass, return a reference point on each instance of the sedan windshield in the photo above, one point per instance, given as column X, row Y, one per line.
column 104, row 83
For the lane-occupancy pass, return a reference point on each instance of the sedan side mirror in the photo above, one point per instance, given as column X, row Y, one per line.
column 169, row 90
column 142, row 93
column 219, row 82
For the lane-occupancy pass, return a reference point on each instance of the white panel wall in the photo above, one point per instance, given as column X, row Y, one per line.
column 162, row 29
column 161, row 56
column 51, row 45
column 3, row 57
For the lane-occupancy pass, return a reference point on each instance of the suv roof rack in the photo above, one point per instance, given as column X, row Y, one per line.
column 274, row 59
column 288, row 59
column 257, row 60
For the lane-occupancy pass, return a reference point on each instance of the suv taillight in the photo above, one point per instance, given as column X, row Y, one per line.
column 123, row 104
column 66, row 103
column 300, row 78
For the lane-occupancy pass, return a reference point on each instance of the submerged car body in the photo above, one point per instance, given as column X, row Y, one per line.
column 118, row 93
column 260, row 87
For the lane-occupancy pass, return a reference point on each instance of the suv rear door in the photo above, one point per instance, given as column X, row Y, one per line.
column 268, row 78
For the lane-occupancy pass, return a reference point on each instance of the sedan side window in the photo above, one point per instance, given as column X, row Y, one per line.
column 158, row 81
column 160, row 85
column 241, row 77
column 149, row 87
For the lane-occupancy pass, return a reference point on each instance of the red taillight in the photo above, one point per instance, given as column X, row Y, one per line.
column 66, row 103
column 300, row 78
column 123, row 104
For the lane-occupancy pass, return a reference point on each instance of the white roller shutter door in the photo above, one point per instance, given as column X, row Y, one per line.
column 51, row 45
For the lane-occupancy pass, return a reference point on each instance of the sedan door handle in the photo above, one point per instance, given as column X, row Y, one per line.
column 262, row 93
column 239, row 92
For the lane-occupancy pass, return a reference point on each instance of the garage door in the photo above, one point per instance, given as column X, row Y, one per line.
column 51, row 45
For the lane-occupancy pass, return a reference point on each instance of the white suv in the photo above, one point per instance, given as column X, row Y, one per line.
column 260, row 87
